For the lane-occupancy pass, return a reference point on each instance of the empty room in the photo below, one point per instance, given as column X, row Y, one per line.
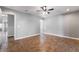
column 39, row 28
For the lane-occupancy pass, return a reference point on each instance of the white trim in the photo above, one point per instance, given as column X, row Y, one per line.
column 27, row 36
column 8, row 12
column 15, row 26
column 61, row 36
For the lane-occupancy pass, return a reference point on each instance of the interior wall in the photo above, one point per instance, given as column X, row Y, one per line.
column 71, row 25
column 10, row 25
column 65, row 25
column 54, row 25
column 25, row 24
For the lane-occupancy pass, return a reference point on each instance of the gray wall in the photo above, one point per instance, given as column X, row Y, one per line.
column 53, row 25
column 25, row 24
column 66, row 25
column 71, row 25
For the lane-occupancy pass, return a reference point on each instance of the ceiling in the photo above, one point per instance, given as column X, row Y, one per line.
column 36, row 10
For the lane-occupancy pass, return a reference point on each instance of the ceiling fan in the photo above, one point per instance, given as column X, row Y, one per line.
column 45, row 9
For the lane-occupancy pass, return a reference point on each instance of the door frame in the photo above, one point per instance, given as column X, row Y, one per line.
column 11, row 13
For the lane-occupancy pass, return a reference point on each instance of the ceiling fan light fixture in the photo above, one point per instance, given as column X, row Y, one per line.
column 46, row 11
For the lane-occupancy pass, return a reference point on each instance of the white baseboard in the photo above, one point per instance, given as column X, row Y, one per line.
column 61, row 36
column 27, row 36
column 48, row 34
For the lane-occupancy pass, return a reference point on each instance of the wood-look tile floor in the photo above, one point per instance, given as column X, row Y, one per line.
column 24, row 45
column 51, row 44
column 60, row 44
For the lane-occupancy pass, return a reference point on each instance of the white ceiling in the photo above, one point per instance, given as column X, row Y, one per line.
column 35, row 9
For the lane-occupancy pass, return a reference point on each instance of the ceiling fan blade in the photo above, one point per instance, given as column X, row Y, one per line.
column 43, row 8
column 51, row 9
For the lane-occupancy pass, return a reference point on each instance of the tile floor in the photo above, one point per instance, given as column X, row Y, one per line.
column 51, row 44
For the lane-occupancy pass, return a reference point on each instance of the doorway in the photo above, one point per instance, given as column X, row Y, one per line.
column 10, row 27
